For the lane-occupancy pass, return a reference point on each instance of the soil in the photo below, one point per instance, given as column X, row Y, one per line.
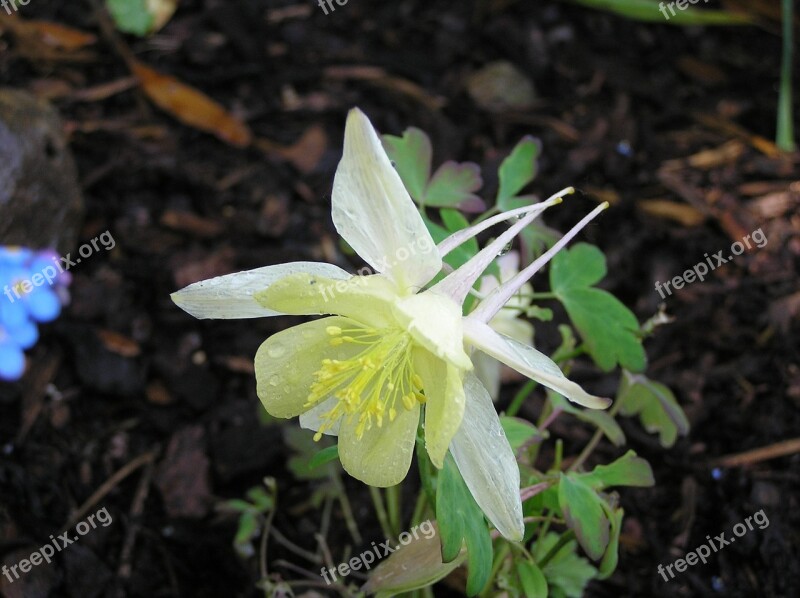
column 126, row 382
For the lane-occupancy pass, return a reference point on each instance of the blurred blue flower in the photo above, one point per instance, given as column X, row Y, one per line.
column 34, row 288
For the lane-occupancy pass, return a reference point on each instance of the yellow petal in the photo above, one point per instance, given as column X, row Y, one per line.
column 444, row 407
column 382, row 456
column 366, row 299
column 286, row 363
column 434, row 321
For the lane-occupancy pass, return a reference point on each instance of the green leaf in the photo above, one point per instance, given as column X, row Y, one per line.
column 454, row 185
column 650, row 11
column 628, row 470
column 517, row 170
column 411, row 155
column 247, row 530
column 536, row 238
column 583, row 265
column 532, row 580
column 131, row 16
column 518, row 431
column 611, row 557
column 305, row 450
column 460, row 255
column 566, row 573
column 260, row 499
column 461, row 520
column 600, row 419
column 455, row 221
column 326, row 455
column 584, row 513
column 656, row 406
column 609, row 329
column 545, row 314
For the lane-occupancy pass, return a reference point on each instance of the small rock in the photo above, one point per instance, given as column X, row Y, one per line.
column 40, row 198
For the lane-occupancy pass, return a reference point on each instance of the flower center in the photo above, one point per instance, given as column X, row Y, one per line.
column 371, row 385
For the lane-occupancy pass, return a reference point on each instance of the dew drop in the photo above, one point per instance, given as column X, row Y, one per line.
column 504, row 250
column 274, row 380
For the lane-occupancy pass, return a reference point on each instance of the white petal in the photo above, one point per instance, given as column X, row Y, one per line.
column 457, row 285
column 486, row 462
column 487, row 308
column 528, row 361
column 374, row 213
column 464, row 235
column 488, row 370
column 231, row 296
column 312, row 419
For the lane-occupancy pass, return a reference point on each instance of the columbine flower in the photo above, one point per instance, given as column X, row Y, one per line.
column 391, row 347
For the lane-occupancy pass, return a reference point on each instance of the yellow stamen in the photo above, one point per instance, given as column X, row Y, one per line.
column 370, row 384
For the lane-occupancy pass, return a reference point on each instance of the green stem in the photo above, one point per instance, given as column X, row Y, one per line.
column 419, row 508
column 380, row 511
column 595, row 440
column 347, row 510
column 393, row 504
column 520, row 397
column 499, row 557
column 535, row 296
column 785, row 133
column 565, row 539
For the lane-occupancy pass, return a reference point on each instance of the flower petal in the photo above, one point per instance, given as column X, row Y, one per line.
column 528, row 361
column 374, row 213
column 312, row 419
column 464, row 235
column 492, row 304
column 488, row 371
column 444, row 407
column 287, row 361
column 434, row 321
column 366, row 299
column 231, row 296
column 486, row 462
column 382, row 456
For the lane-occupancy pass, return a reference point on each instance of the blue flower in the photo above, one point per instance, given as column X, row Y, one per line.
column 34, row 289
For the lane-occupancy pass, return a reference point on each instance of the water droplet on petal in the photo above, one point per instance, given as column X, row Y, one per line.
column 504, row 250
column 274, row 380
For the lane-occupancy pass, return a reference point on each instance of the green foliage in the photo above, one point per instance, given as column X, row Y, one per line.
column 461, row 521
column 648, row 10
column 452, row 185
column 609, row 329
column 656, row 406
column 583, row 510
column 518, row 431
column 567, row 574
column 628, row 470
column 516, row 171
column 131, row 16
column 260, row 501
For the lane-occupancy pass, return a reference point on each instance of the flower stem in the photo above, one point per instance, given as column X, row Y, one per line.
column 380, row 511
column 598, row 435
column 393, row 505
column 520, row 397
column 565, row 539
